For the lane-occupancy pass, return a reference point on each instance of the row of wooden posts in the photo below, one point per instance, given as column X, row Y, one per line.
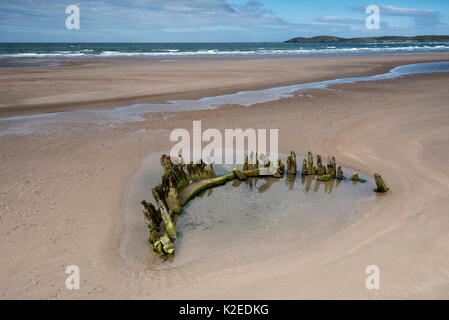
column 323, row 172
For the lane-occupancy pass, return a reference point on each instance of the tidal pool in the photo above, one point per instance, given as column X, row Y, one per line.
column 243, row 215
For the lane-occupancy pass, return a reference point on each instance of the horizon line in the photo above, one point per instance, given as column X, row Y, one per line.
column 280, row 41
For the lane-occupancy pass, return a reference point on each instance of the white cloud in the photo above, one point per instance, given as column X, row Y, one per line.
column 141, row 13
column 420, row 17
column 409, row 12
column 339, row 19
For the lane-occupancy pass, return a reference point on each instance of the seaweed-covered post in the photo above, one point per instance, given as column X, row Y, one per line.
column 331, row 166
column 211, row 171
column 239, row 174
column 291, row 163
column 169, row 224
column 355, row 176
column 245, row 164
column 304, row 167
column 167, row 244
column 165, row 215
column 152, row 218
column 310, row 167
column 280, row 169
column 381, row 187
column 281, row 166
column 339, row 173
column 321, row 170
column 257, row 161
column 197, row 171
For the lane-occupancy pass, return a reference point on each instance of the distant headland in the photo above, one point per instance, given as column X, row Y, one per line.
column 371, row 39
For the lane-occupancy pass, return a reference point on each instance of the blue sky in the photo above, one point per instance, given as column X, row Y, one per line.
column 214, row 20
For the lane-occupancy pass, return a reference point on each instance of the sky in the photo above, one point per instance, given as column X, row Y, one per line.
column 214, row 20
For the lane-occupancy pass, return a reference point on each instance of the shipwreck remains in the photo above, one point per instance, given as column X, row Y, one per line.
column 182, row 182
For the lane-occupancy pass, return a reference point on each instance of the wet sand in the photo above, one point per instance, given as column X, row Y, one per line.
column 108, row 84
column 63, row 195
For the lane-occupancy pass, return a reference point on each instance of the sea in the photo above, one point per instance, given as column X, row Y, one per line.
column 22, row 54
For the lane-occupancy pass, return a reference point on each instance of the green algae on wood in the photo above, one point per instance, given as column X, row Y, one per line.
column 291, row 163
column 252, row 163
column 152, row 218
column 310, row 167
column 167, row 244
column 280, row 169
column 245, row 164
column 304, row 167
column 168, row 221
column 321, row 170
column 157, row 247
column 209, row 184
column 325, row 177
column 151, row 215
column 381, row 187
column 239, row 174
column 332, row 166
column 355, row 177
column 339, row 173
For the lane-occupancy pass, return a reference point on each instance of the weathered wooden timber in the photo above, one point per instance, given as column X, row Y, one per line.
column 325, row 177
column 331, row 166
column 239, row 174
column 381, row 187
column 280, row 169
column 340, row 173
column 310, row 167
column 291, row 163
column 321, row 170
column 304, row 167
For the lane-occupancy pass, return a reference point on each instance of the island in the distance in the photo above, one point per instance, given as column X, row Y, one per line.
column 432, row 38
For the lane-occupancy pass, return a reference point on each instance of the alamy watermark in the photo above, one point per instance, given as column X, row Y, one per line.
column 373, row 279
column 219, row 151
column 372, row 22
column 73, row 20
column 73, row 280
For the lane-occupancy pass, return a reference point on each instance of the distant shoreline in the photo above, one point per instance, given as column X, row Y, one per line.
column 18, row 55
column 317, row 39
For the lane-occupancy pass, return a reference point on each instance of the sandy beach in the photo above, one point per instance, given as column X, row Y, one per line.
column 63, row 196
